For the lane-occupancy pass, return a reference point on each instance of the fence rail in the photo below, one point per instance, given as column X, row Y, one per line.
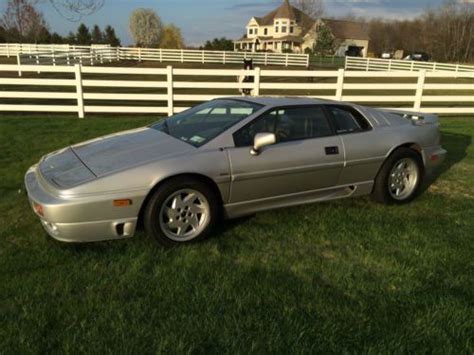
column 53, row 54
column 170, row 90
column 377, row 64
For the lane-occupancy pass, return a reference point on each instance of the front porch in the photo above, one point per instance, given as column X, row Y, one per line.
column 267, row 45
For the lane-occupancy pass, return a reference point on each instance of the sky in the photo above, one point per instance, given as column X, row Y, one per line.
column 201, row 20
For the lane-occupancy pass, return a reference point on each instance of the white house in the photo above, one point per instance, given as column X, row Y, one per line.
column 289, row 29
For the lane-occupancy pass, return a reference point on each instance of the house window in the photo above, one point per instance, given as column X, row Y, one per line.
column 265, row 31
column 292, row 29
column 283, row 29
column 276, row 29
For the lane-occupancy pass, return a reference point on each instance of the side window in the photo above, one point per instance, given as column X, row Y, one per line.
column 301, row 123
column 245, row 136
column 348, row 120
column 288, row 124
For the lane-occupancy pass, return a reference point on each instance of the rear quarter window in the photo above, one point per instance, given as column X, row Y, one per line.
column 347, row 120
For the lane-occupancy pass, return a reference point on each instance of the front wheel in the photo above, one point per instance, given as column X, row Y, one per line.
column 181, row 211
column 400, row 178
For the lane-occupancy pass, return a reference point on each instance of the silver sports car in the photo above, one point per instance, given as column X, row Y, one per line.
column 230, row 157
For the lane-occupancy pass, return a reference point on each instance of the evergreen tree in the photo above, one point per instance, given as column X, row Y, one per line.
column 83, row 36
column 71, row 38
column 97, row 36
column 219, row 44
column 324, row 44
column 110, row 37
column 57, row 38
column 3, row 37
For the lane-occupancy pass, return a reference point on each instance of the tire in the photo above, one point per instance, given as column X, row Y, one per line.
column 400, row 177
column 181, row 211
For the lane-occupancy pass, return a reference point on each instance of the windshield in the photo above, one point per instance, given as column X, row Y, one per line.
column 200, row 124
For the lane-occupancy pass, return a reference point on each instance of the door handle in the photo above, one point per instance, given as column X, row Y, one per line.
column 332, row 150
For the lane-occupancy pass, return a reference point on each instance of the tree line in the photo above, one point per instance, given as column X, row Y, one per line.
column 23, row 23
column 445, row 33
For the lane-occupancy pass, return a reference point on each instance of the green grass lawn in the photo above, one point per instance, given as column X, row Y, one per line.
column 343, row 276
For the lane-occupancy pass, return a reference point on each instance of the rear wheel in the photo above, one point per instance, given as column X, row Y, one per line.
column 400, row 178
column 181, row 211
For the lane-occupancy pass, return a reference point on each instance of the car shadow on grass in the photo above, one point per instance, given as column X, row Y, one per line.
column 456, row 145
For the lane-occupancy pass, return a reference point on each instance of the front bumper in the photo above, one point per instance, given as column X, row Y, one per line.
column 79, row 220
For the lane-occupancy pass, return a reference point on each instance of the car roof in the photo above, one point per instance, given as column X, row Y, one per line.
column 272, row 101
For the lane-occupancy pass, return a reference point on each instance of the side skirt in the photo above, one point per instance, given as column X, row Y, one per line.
column 235, row 210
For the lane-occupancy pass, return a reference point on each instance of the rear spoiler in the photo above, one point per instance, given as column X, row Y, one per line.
column 417, row 118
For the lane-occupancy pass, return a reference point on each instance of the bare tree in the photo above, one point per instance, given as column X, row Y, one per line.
column 145, row 27
column 22, row 21
column 312, row 8
column 74, row 10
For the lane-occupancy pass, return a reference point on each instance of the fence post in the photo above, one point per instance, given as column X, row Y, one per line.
column 389, row 65
column 169, row 86
column 340, row 84
column 117, row 52
column 54, row 57
column 139, row 54
column 79, row 91
column 223, row 57
column 182, row 56
column 419, row 89
column 412, row 66
column 286, row 60
column 203, row 57
column 8, row 50
column 368, row 64
column 18, row 61
column 257, row 82
column 434, row 66
column 345, row 63
column 38, row 63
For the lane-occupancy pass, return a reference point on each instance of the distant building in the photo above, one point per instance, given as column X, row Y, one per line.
column 289, row 29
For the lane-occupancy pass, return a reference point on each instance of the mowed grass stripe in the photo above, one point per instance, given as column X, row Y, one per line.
column 342, row 276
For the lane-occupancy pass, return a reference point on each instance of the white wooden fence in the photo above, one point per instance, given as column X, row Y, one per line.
column 169, row 90
column 377, row 64
column 54, row 54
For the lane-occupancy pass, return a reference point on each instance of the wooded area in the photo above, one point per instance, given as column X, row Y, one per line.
column 445, row 33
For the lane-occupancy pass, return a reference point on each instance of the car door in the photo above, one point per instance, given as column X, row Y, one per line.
column 307, row 155
column 364, row 149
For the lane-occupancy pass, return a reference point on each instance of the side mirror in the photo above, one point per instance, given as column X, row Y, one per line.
column 262, row 140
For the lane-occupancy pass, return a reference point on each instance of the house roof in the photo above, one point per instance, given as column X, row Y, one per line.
column 348, row 29
column 341, row 29
column 285, row 11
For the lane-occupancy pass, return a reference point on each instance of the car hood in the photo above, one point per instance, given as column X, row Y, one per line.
column 124, row 150
column 87, row 161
